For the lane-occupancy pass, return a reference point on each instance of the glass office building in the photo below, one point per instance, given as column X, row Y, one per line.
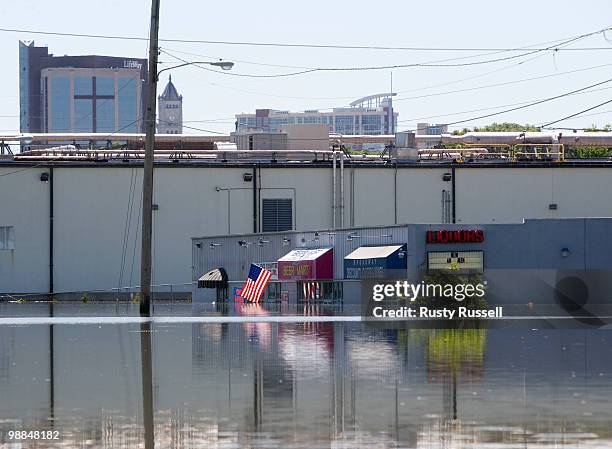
column 372, row 115
column 91, row 100
column 80, row 94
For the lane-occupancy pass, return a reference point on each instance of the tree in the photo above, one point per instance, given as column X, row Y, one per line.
column 499, row 127
column 594, row 128
column 588, row 152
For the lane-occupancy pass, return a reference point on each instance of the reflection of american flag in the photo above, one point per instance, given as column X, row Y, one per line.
column 311, row 290
column 255, row 283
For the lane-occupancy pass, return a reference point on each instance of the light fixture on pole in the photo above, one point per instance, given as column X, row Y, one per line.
column 147, row 181
column 224, row 65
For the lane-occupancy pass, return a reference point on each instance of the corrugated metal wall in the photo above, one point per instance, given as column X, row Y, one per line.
column 235, row 253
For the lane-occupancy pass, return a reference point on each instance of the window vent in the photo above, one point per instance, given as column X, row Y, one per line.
column 277, row 215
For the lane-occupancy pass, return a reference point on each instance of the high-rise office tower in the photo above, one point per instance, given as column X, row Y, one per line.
column 80, row 94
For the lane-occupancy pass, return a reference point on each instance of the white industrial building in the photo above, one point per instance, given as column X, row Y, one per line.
column 74, row 225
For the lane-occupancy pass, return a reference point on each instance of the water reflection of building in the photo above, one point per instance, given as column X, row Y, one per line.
column 331, row 384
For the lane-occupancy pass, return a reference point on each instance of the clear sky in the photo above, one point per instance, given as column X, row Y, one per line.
column 212, row 99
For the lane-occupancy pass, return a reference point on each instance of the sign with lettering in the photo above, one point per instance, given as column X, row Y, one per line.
column 301, row 270
column 132, row 65
column 456, row 261
column 306, row 264
column 456, row 236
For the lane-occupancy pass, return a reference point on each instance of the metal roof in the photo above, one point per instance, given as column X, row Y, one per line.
column 373, row 252
column 304, row 254
column 214, row 278
column 170, row 93
column 370, row 98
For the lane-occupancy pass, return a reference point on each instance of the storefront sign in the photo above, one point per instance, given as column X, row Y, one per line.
column 306, row 264
column 456, row 236
column 459, row 261
column 299, row 270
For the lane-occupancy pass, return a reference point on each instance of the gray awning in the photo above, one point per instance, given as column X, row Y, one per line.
column 373, row 252
column 216, row 278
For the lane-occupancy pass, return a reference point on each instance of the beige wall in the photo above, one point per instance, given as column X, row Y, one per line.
column 307, row 136
column 313, row 193
column 24, row 204
column 91, row 209
column 508, row 195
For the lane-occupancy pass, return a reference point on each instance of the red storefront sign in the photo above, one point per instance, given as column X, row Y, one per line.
column 456, row 236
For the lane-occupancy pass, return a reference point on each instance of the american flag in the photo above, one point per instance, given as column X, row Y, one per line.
column 255, row 283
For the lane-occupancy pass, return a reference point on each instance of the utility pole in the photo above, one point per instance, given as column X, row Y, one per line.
column 147, row 181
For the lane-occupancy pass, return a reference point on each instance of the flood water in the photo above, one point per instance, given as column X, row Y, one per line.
column 344, row 384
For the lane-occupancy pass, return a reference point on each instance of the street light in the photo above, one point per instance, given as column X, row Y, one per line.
column 224, row 65
column 147, row 179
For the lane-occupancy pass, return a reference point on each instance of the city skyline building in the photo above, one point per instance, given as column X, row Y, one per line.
column 91, row 100
column 170, row 110
column 371, row 115
column 73, row 94
column 431, row 129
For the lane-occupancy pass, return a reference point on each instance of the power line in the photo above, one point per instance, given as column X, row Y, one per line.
column 193, row 127
column 489, row 108
column 242, row 61
column 480, row 75
column 121, row 129
column 441, row 63
column 304, row 45
column 607, row 111
column 266, row 94
column 307, row 69
column 525, row 106
column 22, row 170
column 576, row 114
column 347, row 97
column 505, row 83
column 244, row 75
column 528, row 103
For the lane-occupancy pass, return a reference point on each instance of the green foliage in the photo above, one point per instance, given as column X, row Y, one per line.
column 594, row 128
column 588, row 152
column 450, row 146
column 499, row 127
column 461, row 132
column 362, row 152
column 450, row 348
column 570, row 152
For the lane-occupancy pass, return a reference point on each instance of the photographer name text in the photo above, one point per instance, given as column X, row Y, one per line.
column 423, row 312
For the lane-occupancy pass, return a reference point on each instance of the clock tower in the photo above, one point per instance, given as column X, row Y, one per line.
column 170, row 110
